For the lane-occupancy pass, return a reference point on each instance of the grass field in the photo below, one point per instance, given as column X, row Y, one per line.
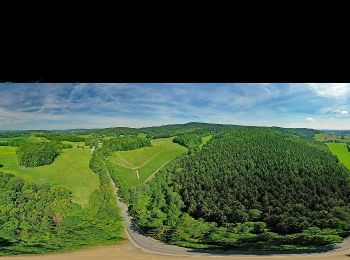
column 136, row 166
column 70, row 169
column 341, row 152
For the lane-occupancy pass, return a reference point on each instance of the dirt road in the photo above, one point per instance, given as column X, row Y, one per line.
column 128, row 252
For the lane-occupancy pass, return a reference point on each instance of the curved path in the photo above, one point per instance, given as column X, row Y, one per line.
column 153, row 246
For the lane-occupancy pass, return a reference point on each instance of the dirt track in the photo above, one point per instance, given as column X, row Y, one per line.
column 127, row 251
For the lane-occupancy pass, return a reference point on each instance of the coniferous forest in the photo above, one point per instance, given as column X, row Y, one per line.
column 252, row 186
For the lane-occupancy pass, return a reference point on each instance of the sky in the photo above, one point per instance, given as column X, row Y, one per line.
column 82, row 105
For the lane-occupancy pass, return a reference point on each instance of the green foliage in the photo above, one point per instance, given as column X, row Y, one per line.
column 11, row 143
column 191, row 141
column 60, row 137
column 251, row 187
column 341, row 151
column 285, row 177
column 42, row 218
column 136, row 166
column 201, row 129
column 32, row 154
column 123, row 143
column 70, row 169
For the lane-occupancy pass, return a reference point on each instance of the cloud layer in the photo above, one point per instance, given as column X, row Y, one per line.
column 64, row 106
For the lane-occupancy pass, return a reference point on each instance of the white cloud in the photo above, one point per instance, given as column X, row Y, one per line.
column 333, row 90
column 331, row 118
column 343, row 112
column 310, row 119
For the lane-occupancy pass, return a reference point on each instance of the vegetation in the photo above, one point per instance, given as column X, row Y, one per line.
column 70, row 169
column 305, row 132
column 37, row 154
column 11, row 143
column 332, row 137
column 341, row 151
column 123, row 143
column 251, row 187
column 192, row 141
column 60, row 137
column 44, row 218
column 130, row 168
column 37, row 218
column 179, row 129
column 268, row 188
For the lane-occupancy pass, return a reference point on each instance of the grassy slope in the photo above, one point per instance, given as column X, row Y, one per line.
column 70, row 169
column 341, row 152
column 145, row 160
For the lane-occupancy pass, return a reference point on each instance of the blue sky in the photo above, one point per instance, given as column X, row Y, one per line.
column 65, row 106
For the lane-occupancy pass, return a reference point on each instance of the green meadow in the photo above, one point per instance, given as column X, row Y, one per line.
column 70, row 169
column 136, row 166
column 341, row 152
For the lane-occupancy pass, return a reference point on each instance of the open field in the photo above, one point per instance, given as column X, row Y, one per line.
column 341, row 152
column 136, row 166
column 70, row 169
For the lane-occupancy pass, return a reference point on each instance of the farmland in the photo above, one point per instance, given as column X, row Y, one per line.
column 136, row 166
column 70, row 169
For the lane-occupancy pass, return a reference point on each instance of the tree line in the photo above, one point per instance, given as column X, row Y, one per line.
column 60, row 137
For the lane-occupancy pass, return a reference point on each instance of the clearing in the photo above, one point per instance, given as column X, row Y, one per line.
column 136, row 166
column 70, row 169
column 341, row 152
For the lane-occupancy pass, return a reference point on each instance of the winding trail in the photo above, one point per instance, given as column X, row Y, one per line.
column 152, row 246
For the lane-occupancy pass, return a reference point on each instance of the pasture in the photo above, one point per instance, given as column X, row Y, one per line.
column 341, row 152
column 136, row 166
column 70, row 169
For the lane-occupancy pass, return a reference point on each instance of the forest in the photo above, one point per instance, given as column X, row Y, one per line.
column 250, row 187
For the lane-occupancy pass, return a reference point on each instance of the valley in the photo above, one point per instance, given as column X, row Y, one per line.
column 195, row 186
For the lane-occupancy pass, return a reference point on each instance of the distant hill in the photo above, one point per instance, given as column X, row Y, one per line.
column 163, row 130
